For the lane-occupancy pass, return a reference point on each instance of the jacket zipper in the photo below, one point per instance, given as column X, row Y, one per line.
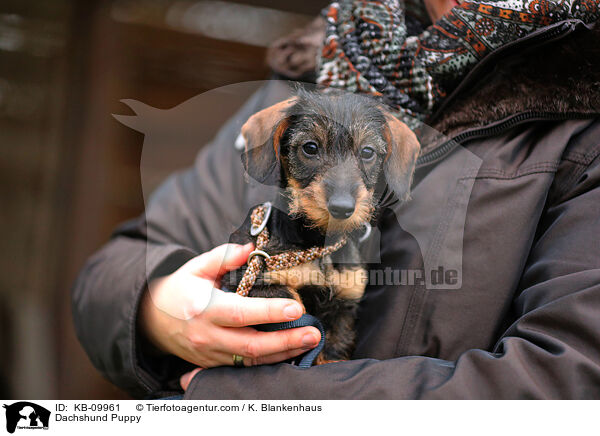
column 495, row 129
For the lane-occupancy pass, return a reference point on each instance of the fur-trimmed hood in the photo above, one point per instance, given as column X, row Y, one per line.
column 560, row 77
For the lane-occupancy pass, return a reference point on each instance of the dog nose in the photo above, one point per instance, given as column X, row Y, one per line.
column 341, row 207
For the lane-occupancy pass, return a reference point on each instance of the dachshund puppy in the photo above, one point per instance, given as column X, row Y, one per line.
column 333, row 155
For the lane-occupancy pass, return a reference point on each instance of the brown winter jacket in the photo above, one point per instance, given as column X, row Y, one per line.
column 511, row 208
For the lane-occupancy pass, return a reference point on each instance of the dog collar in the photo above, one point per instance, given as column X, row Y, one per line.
column 259, row 258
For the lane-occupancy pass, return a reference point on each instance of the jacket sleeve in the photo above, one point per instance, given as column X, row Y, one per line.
column 192, row 212
column 550, row 351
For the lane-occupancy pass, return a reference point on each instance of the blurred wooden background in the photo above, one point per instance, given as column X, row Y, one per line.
column 70, row 172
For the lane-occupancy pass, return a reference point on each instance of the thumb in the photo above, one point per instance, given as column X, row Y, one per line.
column 216, row 262
column 186, row 378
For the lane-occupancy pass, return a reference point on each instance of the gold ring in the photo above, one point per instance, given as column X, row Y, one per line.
column 238, row 361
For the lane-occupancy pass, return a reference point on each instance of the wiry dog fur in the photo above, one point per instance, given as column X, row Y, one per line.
column 318, row 146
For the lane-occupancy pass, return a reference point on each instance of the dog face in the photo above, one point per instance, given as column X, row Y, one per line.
column 331, row 151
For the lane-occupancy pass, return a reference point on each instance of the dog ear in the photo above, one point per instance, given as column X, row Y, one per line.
column 402, row 151
column 262, row 136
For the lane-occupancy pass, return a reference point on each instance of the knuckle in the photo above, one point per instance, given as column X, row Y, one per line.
column 198, row 341
column 288, row 341
column 270, row 312
column 292, row 343
column 251, row 349
column 237, row 314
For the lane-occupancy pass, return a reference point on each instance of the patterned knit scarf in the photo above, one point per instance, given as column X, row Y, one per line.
column 374, row 47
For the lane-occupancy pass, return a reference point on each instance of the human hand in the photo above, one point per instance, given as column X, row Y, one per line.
column 186, row 315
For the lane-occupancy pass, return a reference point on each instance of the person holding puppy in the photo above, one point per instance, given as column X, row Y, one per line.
column 516, row 86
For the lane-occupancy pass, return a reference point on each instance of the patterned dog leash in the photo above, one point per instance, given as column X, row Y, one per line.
column 259, row 259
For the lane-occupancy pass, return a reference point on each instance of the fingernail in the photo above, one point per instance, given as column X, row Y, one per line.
column 309, row 340
column 185, row 379
column 292, row 311
column 234, row 252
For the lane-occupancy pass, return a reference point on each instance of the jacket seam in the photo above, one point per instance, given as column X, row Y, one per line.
column 510, row 177
column 577, row 173
column 419, row 293
column 549, row 165
column 576, row 161
column 571, row 180
column 584, row 158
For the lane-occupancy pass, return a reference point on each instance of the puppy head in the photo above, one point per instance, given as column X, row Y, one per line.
column 332, row 152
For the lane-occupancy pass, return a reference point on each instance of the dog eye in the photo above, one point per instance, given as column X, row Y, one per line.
column 367, row 153
column 310, row 149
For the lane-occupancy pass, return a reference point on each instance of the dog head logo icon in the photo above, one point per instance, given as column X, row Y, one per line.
column 26, row 415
